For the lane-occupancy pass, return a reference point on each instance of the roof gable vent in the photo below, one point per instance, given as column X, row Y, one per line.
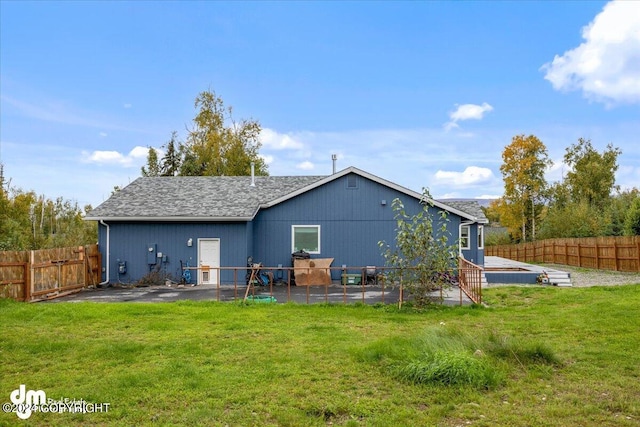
column 352, row 181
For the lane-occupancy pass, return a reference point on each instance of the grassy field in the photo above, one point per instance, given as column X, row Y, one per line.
column 538, row 356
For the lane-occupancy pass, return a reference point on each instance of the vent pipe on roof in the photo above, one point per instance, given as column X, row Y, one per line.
column 334, row 157
column 253, row 174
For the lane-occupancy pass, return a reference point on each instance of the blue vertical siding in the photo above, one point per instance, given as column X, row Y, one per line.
column 129, row 240
column 352, row 221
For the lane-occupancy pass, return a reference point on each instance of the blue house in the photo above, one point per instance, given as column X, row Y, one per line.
column 163, row 223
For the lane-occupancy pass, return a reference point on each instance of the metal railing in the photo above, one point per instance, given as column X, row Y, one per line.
column 470, row 280
column 367, row 285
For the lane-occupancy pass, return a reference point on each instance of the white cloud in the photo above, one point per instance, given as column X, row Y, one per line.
column 277, row 141
column 606, row 66
column 556, row 171
column 142, row 152
column 467, row 112
column 103, row 134
column 472, row 175
column 307, row 165
column 112, row 157
column 627, row 177
column 267, row 159
column 105, row 157
column 127, row 105
column 445, row 196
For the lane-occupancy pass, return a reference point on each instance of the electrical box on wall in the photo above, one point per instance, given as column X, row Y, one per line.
column 152, row 249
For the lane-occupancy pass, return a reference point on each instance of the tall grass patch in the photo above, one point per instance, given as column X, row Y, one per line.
column 449, row 356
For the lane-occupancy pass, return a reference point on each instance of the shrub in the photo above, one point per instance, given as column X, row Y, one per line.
column 423, row 258
column 632, row 220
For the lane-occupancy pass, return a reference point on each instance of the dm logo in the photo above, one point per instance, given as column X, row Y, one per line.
column 26, row 400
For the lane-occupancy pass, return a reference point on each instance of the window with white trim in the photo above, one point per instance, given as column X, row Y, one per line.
column 465, row 232
column 305, row 238
column 480, row 237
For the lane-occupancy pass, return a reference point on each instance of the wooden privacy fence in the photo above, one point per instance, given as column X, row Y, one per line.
column 605, row 253
column 47, row 273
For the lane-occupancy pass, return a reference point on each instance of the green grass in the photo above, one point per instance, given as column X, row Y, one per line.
column 539, row 356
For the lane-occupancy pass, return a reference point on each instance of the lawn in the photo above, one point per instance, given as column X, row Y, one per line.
column 555, row 357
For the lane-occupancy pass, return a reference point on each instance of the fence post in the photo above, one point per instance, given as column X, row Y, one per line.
column 32, row 278
column 598, row 255
column 579, row 258
column 27, row 282
column 638, row 253
column 615, row 255
column 81, row 257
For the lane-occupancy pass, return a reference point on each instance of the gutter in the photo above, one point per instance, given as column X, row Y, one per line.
column 108, row 251
column 168, row 219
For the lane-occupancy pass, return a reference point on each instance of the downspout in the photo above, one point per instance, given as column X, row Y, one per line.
column 108, row 250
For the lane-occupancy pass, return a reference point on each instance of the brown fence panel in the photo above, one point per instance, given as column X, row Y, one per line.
column 32, row 275
column 14, row 274
column 57, row 270
column 93, row 263
column 618, row 253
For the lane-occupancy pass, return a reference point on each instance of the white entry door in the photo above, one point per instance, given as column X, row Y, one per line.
column 208, row 256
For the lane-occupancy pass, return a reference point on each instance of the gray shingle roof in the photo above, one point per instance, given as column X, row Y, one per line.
column 471, row 207
column 229, row 198
column 197, row 197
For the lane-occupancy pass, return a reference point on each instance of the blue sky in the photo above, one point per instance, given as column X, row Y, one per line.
column 425, row 94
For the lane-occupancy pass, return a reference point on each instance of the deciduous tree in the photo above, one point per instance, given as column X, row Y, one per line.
column 592, row 174
column 525, row 161
column 29, row 221
column 219, row 145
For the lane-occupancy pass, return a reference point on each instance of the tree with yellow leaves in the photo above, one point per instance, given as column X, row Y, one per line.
column 525, row 161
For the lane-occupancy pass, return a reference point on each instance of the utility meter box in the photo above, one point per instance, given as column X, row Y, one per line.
column 152, row 249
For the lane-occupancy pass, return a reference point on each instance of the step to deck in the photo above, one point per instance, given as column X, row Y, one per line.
column 560, row 278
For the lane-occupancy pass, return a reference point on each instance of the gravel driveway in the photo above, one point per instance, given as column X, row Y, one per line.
column 583, row 277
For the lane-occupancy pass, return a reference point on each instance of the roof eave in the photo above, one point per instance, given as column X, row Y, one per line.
column 168, row 218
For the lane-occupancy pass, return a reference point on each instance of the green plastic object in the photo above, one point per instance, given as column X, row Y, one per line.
column 261, row 298
column 351, row 279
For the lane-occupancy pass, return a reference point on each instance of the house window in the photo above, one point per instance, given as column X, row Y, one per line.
column 480, row 237
column 464, row 237
column 306, row 238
